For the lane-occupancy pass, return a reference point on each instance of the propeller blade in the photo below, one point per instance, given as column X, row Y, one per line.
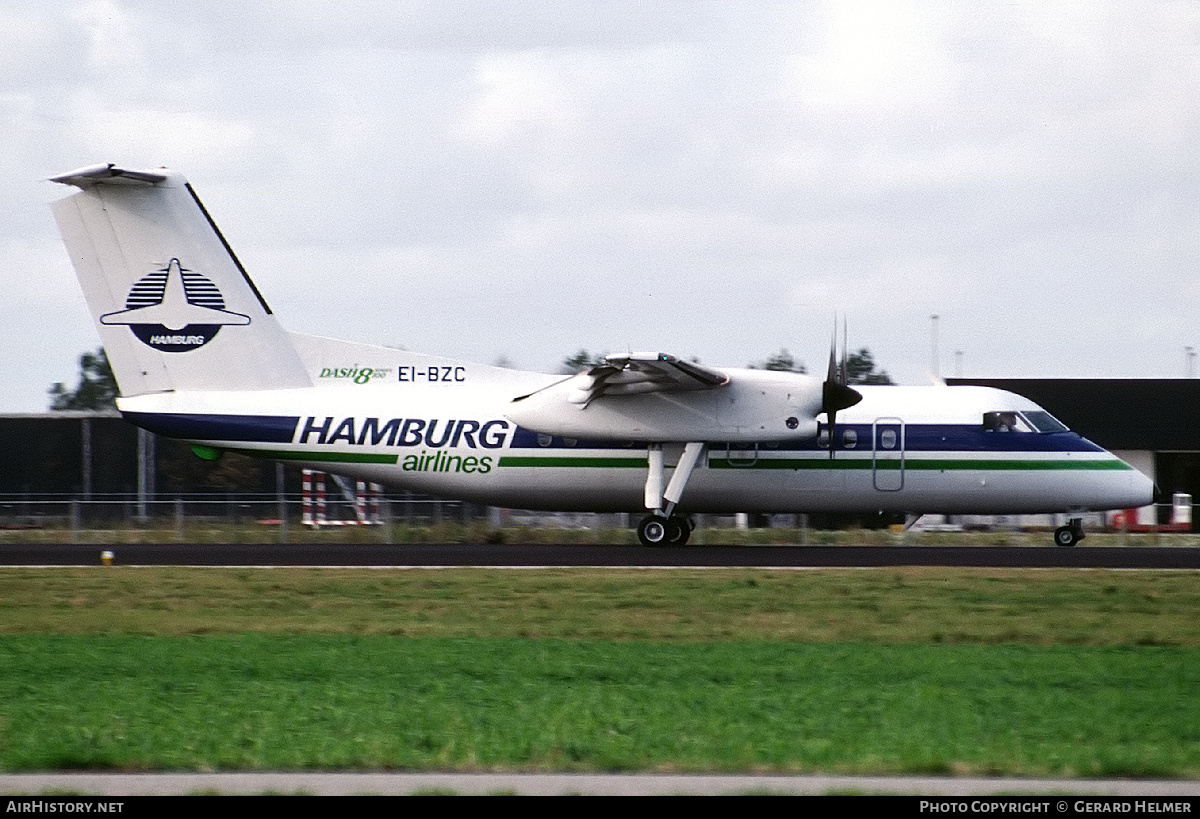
column 836, row 393
column 845, row 376
column 832, row 375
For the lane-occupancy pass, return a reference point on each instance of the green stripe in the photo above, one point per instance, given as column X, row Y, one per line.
column 319, row 457
column 1106, row 465
column 572, row 461
column 927, row 465
column 791, row 463
column 614, row 462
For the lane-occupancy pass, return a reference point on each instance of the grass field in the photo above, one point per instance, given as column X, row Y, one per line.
column 913, row 670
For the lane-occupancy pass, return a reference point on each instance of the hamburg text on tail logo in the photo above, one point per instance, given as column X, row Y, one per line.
column 174, row 310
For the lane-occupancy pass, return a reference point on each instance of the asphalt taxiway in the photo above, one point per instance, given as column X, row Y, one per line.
column 548, row 784
column 548, row 555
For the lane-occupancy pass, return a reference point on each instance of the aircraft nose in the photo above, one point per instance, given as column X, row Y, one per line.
column 1143, row 490
column 1127, row 488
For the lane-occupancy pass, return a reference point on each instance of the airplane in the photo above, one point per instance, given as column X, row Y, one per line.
column 200, row 356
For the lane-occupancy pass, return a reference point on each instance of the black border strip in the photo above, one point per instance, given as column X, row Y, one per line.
column 228, row 249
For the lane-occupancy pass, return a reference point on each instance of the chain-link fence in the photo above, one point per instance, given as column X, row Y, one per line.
column 357, row 513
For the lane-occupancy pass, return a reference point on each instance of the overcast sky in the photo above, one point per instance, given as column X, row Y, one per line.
column 522, row 179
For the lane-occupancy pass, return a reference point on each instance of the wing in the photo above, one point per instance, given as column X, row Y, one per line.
column 640, row 373
column 657, row 397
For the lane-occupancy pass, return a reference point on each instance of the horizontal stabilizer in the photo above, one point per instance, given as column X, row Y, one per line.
column 108, row 174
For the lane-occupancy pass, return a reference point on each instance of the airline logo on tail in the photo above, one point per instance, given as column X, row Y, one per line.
column 174, row 309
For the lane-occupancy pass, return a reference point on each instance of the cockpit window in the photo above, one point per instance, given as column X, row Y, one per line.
column 1028, row 421
column 1002, row 421
column 1043, row 421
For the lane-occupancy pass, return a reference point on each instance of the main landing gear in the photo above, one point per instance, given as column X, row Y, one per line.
column 662, row 527
column 1070, row 534
column 658, row 531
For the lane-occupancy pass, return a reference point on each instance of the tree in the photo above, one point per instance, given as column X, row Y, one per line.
column 582, row 360
column 782, row 361
column 97, row 388
column 860, row 369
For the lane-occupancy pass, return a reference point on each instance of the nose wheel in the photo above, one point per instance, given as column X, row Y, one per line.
column 1070, row 534
column 659, row 531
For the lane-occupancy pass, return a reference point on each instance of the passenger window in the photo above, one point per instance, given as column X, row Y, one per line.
column 887, row 439
column 849, row 439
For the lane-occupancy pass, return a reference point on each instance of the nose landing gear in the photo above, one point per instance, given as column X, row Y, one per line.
column 1070, row 534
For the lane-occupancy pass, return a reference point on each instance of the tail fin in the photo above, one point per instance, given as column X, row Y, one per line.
column 174, row 307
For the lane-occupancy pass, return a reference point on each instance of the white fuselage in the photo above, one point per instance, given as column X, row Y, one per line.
column 441, row 427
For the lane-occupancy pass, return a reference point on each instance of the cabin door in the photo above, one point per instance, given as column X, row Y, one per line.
column 888, row 463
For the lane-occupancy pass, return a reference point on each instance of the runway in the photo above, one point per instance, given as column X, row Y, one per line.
column 549, row 555
column 324, row 783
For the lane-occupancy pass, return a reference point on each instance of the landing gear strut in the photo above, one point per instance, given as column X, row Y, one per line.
column 1070, row 534
column 663, row 527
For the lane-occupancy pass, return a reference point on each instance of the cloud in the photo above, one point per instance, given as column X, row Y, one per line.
column 115, row 40
column 873, row 59
column 711, row 178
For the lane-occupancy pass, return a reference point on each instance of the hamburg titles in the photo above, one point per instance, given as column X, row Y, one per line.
column 434, row 435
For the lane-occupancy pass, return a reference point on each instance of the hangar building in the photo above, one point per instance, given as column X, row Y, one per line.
column 1151, row 423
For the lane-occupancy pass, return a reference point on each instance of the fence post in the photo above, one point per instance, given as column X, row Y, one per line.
column 86, row 456
column 178, row 519
column 281, row 502
column 74, row 520
column 143, row 470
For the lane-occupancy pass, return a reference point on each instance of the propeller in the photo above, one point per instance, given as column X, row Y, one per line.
column 836, row 393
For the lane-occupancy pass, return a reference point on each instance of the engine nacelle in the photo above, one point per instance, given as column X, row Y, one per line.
column 755, row 405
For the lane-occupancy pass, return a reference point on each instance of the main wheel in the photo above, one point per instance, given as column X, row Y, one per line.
column 653, row 531
column 1065, row 536
column 678, row 531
